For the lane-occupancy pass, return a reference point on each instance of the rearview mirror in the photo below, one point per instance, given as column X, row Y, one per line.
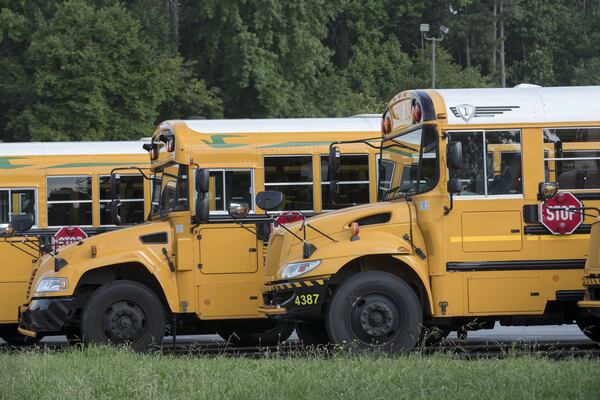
column 114, row 211
column 113, row 186
column 334, row 165
column 202, row 209
column 454, row 186
column 22, row 222
column 547, row 190
column 202, row 180
column 269, row 200
column 454, row 156
column 238, row 210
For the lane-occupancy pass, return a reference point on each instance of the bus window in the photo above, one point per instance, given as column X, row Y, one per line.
column 498, row 171
column 69, row 200
column 503, row 157
column 573, row 157
column 293, row 176
column 131, row 193
column 227, row 186
column 16, row 201
column 384, row 177
column 353, row 181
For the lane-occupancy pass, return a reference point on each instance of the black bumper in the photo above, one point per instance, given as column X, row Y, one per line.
column 300, row 299
column 47, row 315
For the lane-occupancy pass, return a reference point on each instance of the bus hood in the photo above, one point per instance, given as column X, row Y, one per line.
column 141, row 243
column 328, row 231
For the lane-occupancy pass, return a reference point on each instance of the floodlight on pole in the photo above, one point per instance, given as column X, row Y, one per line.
column 444, row 31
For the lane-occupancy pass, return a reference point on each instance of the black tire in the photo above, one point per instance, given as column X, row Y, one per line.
column 272, row 335
column 375, row 311
column 123, row 312
column 590, row 327
column 12, row 337
column 313, row 333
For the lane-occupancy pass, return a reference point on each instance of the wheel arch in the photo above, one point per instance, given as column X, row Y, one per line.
column 403, row 267
column 133, row 271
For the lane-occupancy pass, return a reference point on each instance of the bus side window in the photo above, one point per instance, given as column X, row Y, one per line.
column 131, row 194
column 353, row 182
column 497, row 171
column 69, row 200
column 472, row 174
column 293, row 176
column 227, row 186
column 16, row 201
column 575, row 157
column 503, row 155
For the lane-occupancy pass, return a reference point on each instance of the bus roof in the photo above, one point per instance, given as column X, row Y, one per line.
column 71, row 148
column 352, row 124
column 521, row 104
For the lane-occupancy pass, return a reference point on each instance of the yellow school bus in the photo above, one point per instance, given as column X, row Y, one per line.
column 454, row 240
column 60, row 185
column 192, row 265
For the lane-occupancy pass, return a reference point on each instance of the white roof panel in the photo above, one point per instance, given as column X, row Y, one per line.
column 71, row 148
column 525, row 104
column 353, row 124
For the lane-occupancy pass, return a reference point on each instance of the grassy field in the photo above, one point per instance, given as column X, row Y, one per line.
column 108, row 373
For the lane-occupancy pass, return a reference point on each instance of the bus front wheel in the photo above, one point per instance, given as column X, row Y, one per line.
column 375, row 311
column 123, row 312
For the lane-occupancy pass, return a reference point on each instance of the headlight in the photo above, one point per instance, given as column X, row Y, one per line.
column 52, row 285
column 293, row 270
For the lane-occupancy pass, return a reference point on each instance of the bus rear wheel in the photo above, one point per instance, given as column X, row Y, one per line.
column 123, row 312
column 375, row 311
column 590, row 327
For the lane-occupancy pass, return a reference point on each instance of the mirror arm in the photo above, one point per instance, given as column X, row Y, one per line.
column 284, row 227
column 244, row 226
column 130, row 168
column 324, row 234
column 446, row 209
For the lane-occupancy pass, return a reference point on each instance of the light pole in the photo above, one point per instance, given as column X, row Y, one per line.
column 444, row 31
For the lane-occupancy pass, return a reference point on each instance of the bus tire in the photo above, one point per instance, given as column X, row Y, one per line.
column 12, row 337
column 275, row 334
column 590, row 327
column 375, row 310
column 312, row 333
column 123, row 312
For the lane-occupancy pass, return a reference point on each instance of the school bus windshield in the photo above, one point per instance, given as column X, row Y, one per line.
column 171, row 190
column 408, row 164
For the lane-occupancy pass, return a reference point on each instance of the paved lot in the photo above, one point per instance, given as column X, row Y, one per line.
column 552, row 333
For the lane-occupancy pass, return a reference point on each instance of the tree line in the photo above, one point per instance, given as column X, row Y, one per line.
column 109, row 70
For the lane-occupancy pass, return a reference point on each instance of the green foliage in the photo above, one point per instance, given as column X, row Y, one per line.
column 108, row 69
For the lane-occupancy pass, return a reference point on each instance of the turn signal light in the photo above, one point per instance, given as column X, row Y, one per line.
column 416, row 113
column 386, row 124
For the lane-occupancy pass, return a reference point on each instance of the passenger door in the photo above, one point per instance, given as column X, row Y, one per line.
column 485, row 227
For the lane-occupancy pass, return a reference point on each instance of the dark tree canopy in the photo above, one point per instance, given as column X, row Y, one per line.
column 109, row 69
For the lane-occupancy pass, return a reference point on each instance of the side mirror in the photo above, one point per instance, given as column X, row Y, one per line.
column 547, row 190
column 113, row 186
column 202, row 209
column 454, row 156
column 202, row 180
column 454, row 186
column 334, row 163
column 238, row 210
column 114, row 211
column 22, row 222
column 269, row 200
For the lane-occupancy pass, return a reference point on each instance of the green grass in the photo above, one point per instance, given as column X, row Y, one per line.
column 109, row 373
